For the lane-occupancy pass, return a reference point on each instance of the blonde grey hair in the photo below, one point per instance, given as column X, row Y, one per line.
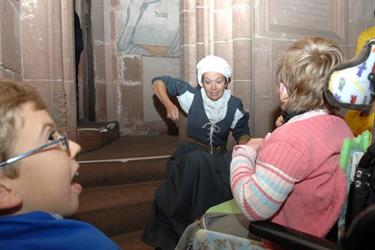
column 12, row 96
column 304, row 69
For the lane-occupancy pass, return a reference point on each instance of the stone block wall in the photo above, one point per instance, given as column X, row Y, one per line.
column 36, row 47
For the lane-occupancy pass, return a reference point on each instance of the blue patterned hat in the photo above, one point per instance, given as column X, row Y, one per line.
column 351, row 83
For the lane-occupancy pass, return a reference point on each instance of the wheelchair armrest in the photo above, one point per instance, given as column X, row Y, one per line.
column 288, row 237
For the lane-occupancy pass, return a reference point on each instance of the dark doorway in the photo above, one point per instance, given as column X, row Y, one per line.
column 87, row 112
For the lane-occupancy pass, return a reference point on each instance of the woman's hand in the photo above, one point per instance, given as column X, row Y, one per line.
column 255, row 143
column 161, row 92
column 172, row 112
column 279, row 121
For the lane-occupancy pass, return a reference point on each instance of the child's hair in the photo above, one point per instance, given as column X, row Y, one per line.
column 304, row 69
column 12, row 96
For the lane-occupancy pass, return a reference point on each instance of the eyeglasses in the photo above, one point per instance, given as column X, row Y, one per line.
column 63, row 141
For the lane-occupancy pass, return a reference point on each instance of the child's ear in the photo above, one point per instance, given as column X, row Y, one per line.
column 9, row 198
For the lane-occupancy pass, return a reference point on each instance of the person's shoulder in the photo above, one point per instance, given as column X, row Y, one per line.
column 297, row 124
column 323, row 120
column 34, row 228
column 319, row 125
column 235, row 100
column 35, row 216
column 163, row 78
column 82, row 230
column 335, row 119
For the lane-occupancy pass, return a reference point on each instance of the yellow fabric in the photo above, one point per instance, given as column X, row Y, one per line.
column 357, row 121
column 364, row 37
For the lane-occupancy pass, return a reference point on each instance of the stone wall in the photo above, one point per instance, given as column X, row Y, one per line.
column 250, row 34
column 37, row 48
column 133, row 41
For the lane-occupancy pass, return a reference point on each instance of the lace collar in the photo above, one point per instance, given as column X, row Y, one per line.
column 307, row 115
column 215, row 110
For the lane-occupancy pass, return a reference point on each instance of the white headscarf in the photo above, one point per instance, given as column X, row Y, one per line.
column 214, row 64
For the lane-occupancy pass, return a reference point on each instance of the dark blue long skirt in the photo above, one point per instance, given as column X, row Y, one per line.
column 195, row 181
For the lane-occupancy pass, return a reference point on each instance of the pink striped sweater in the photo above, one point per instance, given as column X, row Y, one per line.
column 295, row 179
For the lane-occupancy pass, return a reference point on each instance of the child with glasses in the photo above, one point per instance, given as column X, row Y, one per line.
column 37, row 167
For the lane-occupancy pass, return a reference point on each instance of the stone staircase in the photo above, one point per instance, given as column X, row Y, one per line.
column 119, row 181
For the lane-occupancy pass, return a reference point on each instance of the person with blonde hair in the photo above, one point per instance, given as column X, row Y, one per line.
column 293, row 176
column 37, row 170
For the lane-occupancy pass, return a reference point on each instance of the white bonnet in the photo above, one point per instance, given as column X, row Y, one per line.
column 214, row 64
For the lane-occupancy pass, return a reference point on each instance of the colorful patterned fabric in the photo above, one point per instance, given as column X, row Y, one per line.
column 349, row 83
column 357, row 120
column 210, row 240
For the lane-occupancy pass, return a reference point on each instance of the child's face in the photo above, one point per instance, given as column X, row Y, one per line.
column 45, row 178
column 283, row 94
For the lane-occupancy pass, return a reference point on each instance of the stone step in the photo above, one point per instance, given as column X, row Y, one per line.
column 117, row 209
column 119, row 183
column 121, row 171
column 133, row 146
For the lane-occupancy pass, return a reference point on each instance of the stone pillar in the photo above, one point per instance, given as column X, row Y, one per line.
column 47, row 57
column 221, row 28
column 10, row 52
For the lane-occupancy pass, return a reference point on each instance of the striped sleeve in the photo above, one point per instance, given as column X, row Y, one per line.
column 259, row 188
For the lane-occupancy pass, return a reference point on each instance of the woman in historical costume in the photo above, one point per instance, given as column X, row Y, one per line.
column 198, row 171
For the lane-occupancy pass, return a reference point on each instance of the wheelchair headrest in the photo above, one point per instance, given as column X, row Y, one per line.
column 351, row 83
